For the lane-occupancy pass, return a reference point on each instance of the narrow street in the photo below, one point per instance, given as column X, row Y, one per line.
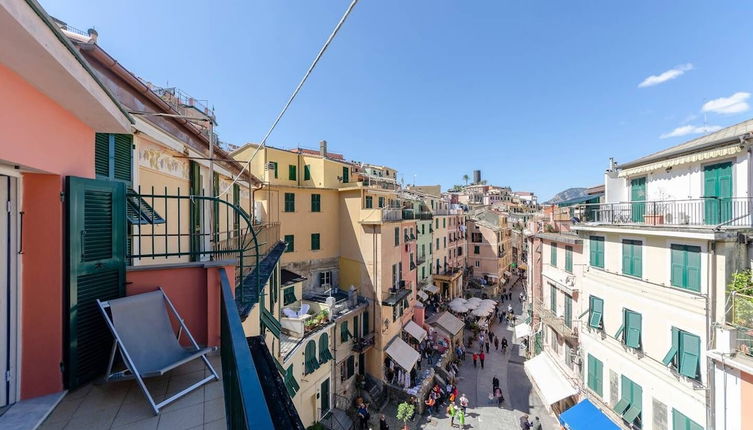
column 476, row 384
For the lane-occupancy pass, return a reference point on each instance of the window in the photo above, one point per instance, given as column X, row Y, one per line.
column 478, row 263
column 685, row 353
column 381, row 202
column 596, row 247
column 444, row 222
column 553, row 298
column 369, row 202
column 316, row 203
column 113, row 156
column 437, row 244
column 445, row 242
column 290, row 242
column 569, row 259
column 324, row 354
column 306, row 172
column 595, row 375
column 595, row 312
column 310, row 361
column 315, row 246
column 436, row 221
column 289, row 202
column 365, row 321
column 476, row 249
column 346, row 175
column 423, row 228
column 568, row 311
column 288, row 296
column 686, row 267
column 460, row 251
column 632, row 258
column 292, row 172
column 397, row 236
column 344, row 332
column 553, row 256
column 395, row 276
column 476, row 237
column 325, row 278
column 274, row 167
column 348, row 369
column 630, row 331
column 290, row 383
column 681, row 422
column 631, row 402
column 423, row 272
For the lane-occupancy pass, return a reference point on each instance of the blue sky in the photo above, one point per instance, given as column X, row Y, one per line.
column 538, row 95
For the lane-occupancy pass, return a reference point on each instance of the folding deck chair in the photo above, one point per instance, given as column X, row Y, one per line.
column 147, row 342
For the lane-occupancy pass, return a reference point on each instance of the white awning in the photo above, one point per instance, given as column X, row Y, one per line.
column 711, row 154
column 405, row 356
column 431, row 289
column 521, row 330
column 449, row 324
column 415, row 330
column 423, row 295
column 508, row 274
column 550, row 381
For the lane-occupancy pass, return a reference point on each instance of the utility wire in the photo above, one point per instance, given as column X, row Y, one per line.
column 295, row 93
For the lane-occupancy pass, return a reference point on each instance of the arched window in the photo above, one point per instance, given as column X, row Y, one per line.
column 324, row 354
column 310, row 361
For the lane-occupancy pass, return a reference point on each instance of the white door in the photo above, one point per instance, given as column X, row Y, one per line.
column 8, row 291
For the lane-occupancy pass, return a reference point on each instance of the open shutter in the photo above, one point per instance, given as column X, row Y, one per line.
column 96, row 236
column 633, row 329
column 672, row 353
column 690, row 353
column 693, row 274
column 678, row 266
column 625, row 396
column 597, row 310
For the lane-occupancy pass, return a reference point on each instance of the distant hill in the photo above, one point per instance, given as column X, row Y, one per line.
column 568, row 194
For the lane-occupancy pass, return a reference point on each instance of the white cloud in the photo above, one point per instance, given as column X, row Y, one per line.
column 690, row 129
column 735, row 103
column 670, row 74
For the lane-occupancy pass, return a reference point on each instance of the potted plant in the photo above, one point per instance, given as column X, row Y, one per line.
column 404, row 413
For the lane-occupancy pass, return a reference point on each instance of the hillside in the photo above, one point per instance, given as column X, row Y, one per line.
column 567, row 194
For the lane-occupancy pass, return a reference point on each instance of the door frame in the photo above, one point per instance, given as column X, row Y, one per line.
column 12, row 261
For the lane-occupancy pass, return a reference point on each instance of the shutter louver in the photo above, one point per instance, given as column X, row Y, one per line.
column 122, row 156
column 102, row 154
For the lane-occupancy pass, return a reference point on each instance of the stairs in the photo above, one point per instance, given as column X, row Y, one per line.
column 376, row 393
column 338, row 419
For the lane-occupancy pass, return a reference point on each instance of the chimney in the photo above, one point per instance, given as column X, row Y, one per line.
column 323, row 148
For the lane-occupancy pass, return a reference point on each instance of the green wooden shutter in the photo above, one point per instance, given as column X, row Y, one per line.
column 638, row 194
column 216, row 206
column 344, row 332
column 102, row 155
column 236, row 202
column 324, row 354
column 365, row 323
column 316, row 203
column 632, row 329
column 625, row 396
column 315, row 241
column 306, row 172
column 553, row 256
column 324, row 396
column 122, row 157
column 369, row 202
column 693, row 275
column 681, row 422
column 289, row 202
column 636, row 403
column 290, row 242
column 593, row 252
column 568, row 311
column 672, row 353
column 346, row 175
column 292, row 172
column 597, row 310
column 96, row 234
column 626, row 257
column 553, row 298
column 637, row 258
column 718, row 192
column 274, row 165
column 310, row 362
column 356, row 328
column 196, row 213
column 690, row 353
column 569, row 259
column 677, row 275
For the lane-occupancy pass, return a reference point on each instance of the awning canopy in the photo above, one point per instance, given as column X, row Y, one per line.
column 449, row 324
column 431, row 289
column 415, row 330
column 710, row 154
column 508, row 274
column 586, row 416
column 405, row 356
column 422, row 295
column 552, row 384
column 521, row 330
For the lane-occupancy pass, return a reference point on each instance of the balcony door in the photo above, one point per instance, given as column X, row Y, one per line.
column 717, row 193
column 638, row 194
column 8, row 288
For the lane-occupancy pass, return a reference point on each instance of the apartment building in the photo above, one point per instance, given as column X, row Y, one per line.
column 488, row 256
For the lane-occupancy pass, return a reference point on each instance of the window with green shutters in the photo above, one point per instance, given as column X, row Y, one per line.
column 274, row 168
column 315, row 241
column 596, row 248
column 290, row 383
column 553, row 298
column 568, row 311
column 569, row 259
column 630, row 405
column 476, row 249
column 685, row 353
column 632, row 257
column 595, row 312
column 316, row 203
column 630, row 331
column 681, row 422
column 369, row 202
column 553, row 256
column 288, row 296
column 289, row 202
column 344, row 332
column 397, row 236
column 444, row 222
column 292, row 172
column 381, row 202
column 365, row 321
column 346, row 175
column 595, row 375
column 290, row 242
column 324, row 354
column 686, row 267
column 113, row 156
column 306, row 172
column 310, row 361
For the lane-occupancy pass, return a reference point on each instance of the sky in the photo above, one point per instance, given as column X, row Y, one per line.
column 535, row 94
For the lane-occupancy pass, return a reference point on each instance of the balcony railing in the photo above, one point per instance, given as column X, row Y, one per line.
column 424, row 216
column 707, row 211
column 557, row 323
column 740, row 315
column 378, row 215
column 362, row 344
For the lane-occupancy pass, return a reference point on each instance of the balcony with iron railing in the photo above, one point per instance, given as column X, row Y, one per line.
column 740, row 317
column 380, row 215
column 557, row 323
column 706, row 212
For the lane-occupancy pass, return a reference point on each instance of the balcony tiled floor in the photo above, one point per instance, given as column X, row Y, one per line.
column 122, row 405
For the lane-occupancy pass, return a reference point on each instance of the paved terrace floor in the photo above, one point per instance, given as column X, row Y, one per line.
column 122, row 405
column 476, row 383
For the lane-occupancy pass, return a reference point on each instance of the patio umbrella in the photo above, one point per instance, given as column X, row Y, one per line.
column 458, row 307
column 458, row 300
column 474, row 300
column 480, row 312
column 490, row 301
column 471, row 305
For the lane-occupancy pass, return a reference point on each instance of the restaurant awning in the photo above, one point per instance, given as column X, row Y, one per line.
column 405, row 356
column 449, row 324
column 431, row 289
column 584, row 416
column 415, row 330
column 422, row 295
column 521, row 330
column 551, row 383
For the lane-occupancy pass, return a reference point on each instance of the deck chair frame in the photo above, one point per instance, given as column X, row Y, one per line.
column 131, row 372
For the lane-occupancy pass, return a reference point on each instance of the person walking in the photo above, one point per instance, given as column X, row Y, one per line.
column 495, row 382
column 431, row 403
column 383, row 423
column 487, row 346
column 504, row 344
column 509, row 308
column 461, row 418
column 501, row 316
column 499, row 396
column 363, row 416
column 451, row 410
column 481, row 358
column 496, row 344
column 520, row 297
column 463, row 403
column 475, row 357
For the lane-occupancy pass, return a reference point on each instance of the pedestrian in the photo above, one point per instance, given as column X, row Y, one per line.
column 487, row 346
column 520, row 297
column 451, row 412
column 414, row 402
column 501, row 316
column 509, row 308
column 463, row 403
column 383, row 423
column 496, row 344
column 499, row 396
column 461, row 418
column 363, row 416
column 504, row 344
column 495, row 382
column 475, row 357
column 481, row 358
column 537, row 424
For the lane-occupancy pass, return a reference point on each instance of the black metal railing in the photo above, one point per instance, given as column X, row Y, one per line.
column 707, row 211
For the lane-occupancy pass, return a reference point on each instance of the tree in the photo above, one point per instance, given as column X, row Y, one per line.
column 466, row 178
column 404, row 412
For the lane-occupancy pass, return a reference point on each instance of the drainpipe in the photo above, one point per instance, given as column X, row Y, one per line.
column 710, row 317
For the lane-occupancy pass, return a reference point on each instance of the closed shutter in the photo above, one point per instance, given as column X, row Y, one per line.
column 678, row 265
column 694, row 268
column 122, row 157
column 346, row 175
column 102, row 155
column 315, row 241
column 569, row 311
column 569, row 259
column 306, row 172
column 637, row 258
column 593, row 252
column 626, row 257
